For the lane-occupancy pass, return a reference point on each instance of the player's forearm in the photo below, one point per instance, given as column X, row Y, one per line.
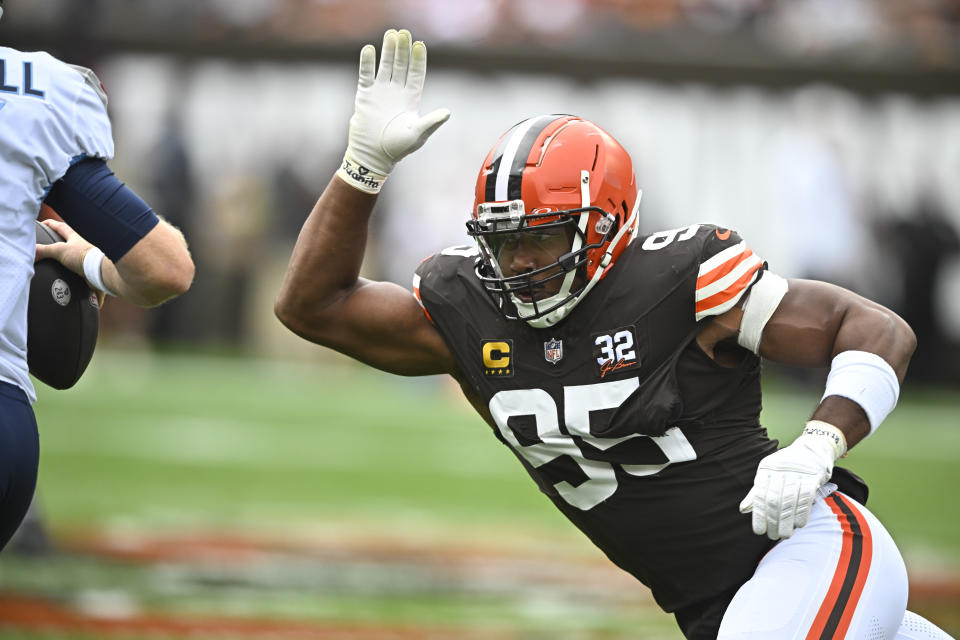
column 866, row 346
column 386, row 126
column 156, row 269
column 867, row 330
column 326, row 260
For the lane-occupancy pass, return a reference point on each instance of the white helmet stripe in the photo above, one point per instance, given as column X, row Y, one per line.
column 504, row 169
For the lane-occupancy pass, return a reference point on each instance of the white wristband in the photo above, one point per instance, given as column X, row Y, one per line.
column 92, row 264
column 831, row 433
column 866, row 379
column 361, row 177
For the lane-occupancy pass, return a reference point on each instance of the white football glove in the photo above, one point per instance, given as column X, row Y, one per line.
column 386, row 124
column 787, row 480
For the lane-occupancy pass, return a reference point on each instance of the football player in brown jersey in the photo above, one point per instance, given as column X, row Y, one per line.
column 623, row 369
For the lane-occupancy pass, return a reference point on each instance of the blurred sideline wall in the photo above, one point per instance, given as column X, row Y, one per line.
column 232, row 115
column 818, row 180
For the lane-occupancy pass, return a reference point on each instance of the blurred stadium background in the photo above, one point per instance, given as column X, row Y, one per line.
column 213, row 476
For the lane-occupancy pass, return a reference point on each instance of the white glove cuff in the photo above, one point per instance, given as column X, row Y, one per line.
column 833, row 435
column 361, row 177
column 92, row 265
column 866, row 379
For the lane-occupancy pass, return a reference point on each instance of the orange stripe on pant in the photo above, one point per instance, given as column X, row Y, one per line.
column 853, row 566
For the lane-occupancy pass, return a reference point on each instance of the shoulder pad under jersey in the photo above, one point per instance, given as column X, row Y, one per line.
column 728, row 268
column 91, row 79
column 436, row 275
column 725, row 266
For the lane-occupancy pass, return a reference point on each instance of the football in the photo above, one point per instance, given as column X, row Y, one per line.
column 63, row 320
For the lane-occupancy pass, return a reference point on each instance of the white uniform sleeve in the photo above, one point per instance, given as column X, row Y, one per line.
column 75, row 124
column 91, row 127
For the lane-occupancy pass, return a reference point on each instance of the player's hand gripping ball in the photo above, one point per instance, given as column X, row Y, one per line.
column 63, row 320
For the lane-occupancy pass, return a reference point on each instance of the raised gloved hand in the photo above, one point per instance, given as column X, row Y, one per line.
column 787, row 480
column 386, row 124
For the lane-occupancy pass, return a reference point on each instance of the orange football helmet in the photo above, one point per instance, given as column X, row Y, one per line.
column 553, row 171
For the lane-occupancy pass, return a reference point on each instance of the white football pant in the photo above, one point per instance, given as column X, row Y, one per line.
column 839, row 577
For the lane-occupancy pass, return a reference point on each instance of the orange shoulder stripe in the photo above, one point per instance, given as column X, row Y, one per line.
column 732, row 291
column 723, row 269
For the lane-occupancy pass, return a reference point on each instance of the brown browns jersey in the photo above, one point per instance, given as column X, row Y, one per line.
column 643, row 441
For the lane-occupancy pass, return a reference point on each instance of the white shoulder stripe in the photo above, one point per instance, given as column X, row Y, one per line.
column 717, row 260
column 738, row 272
column 717, row 309
column 416, row 289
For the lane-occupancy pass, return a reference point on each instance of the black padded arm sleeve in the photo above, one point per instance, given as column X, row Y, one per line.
column 100, row 208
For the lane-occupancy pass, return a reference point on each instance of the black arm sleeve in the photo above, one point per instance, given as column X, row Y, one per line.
column 102, row 209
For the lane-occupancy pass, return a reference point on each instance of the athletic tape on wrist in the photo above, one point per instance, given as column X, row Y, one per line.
column 868, row 380
column 761, row 302
column 92, row 265
column 832, row 433
column 361, row 177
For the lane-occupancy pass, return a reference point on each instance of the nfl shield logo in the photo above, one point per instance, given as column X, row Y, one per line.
column 553, row 350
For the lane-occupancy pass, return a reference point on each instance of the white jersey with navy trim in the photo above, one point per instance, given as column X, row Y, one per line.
column 52, row 114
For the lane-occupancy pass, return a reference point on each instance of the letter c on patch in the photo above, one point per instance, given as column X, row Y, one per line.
column 496, row 355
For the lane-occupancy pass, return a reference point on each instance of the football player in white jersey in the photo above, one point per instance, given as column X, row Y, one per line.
column 55, row 141
column 623, row 370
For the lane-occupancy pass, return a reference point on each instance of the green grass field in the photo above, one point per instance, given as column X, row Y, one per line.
column 318, row 458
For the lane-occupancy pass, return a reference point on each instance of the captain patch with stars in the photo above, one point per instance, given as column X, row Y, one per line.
column 497, row 358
